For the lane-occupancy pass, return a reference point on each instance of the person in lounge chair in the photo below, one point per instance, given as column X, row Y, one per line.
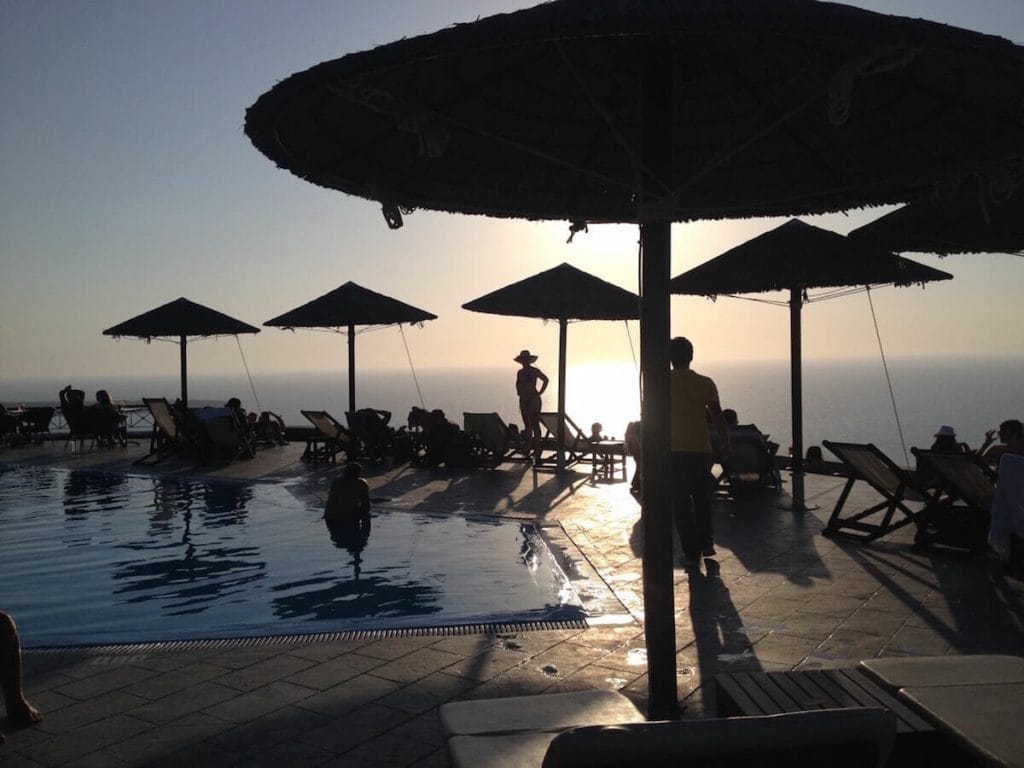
column 945, row 442
column 527, row 378
column 1011, row 440
column 19, row 711
column 348, row 501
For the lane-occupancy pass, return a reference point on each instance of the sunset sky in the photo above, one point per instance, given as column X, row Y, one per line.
column 126, row 181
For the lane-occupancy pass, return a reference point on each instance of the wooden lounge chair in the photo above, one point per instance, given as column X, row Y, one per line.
column 329, row 439
column 372, row 431
column 493, row 442
column 167, row 437
column 897, row 486
column 575, row 444
column 957, row 516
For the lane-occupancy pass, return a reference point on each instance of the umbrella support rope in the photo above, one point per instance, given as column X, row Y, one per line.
column 245, row 364
column 415, row 380
column 888, row 380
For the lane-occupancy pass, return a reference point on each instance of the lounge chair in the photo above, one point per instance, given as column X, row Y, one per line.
column 575, row 444
column 603, row 728
column 898, row 487
column 218, row 435
column 493, row 442
column 93, row 424
column 957, row 516
column 752, row 464
column 167, row 437
column 328, row 439
column 372, row 431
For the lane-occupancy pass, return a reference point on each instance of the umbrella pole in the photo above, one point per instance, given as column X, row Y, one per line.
column 351, row 369
column 560, row 437
column 184, row 371
column 796, row 397
column 655, row 329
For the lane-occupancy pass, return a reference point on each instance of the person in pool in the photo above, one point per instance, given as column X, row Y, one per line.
column 19, row 711
column 348, row 501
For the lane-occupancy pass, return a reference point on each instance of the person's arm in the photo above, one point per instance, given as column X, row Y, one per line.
column 543, row 381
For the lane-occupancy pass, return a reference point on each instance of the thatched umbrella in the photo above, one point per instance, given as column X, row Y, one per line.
column 176, row 321
column 562, row 293
column 794, row 257
column 342, row 310
column 971, row 221
column 651, row 112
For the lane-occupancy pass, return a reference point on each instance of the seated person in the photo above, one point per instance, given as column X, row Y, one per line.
column 1011, row 440
column 111, row 422
column 440, row 438
column 595, row 433
column 945, row 442
column 348, row 501
column 268, row 427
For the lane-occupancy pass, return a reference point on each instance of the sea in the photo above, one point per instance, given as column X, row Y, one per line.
column 895, row 406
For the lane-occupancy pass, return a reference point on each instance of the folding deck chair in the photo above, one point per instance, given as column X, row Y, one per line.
column 898, row 487
column 957, row 516
column 493, row 442
column 575, row 443
column 329, row 439
column 167, row 437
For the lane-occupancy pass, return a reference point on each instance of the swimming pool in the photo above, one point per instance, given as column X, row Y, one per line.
column 98, row 558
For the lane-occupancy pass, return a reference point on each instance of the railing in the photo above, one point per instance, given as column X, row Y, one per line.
column 138, row 417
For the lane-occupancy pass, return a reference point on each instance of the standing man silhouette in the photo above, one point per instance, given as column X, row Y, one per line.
column 694, row 398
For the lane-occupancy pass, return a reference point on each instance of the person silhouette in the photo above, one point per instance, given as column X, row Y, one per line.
column 527, row 378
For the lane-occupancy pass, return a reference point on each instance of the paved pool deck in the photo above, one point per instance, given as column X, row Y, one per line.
column 785, row 597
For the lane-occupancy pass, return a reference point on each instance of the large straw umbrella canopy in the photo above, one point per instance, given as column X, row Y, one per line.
column 176, row 321
column 347, row 306
column 794, row 257
column 970, row 221
column 562, row 293
column 653, row 112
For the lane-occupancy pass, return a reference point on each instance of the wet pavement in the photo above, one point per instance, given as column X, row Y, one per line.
column 780, row 597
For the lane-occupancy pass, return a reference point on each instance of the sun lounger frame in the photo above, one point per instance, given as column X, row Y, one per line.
column 895, row 484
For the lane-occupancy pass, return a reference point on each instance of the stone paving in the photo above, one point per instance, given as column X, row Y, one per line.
column 783, row 597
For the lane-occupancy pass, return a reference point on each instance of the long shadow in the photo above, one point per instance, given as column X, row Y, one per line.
column 981, row 609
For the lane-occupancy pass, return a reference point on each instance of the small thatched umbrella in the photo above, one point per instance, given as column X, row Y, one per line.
column 342, row 310
column 794, row 257
column 562, row 293
column 176, row 321
column 972, row 221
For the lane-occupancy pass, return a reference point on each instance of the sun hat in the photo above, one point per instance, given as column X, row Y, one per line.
column 525, row 357
column 945, row 431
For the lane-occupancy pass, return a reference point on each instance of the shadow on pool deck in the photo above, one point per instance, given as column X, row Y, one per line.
column 784, row 597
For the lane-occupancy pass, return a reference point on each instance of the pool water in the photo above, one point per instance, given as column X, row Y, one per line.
column 97, row 558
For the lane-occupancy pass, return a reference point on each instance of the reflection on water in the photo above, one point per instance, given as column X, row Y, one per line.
column 142, row 558
column 86, row 491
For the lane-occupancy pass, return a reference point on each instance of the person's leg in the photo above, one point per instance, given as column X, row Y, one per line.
column 19, row 711
column 682, row 505
column 702, row 487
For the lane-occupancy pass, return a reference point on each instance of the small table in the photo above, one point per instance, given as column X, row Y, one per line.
column 606, row 457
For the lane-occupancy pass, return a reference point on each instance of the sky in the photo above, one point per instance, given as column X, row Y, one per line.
column 126, row 181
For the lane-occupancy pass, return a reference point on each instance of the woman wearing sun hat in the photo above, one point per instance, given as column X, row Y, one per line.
column 529, row 396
